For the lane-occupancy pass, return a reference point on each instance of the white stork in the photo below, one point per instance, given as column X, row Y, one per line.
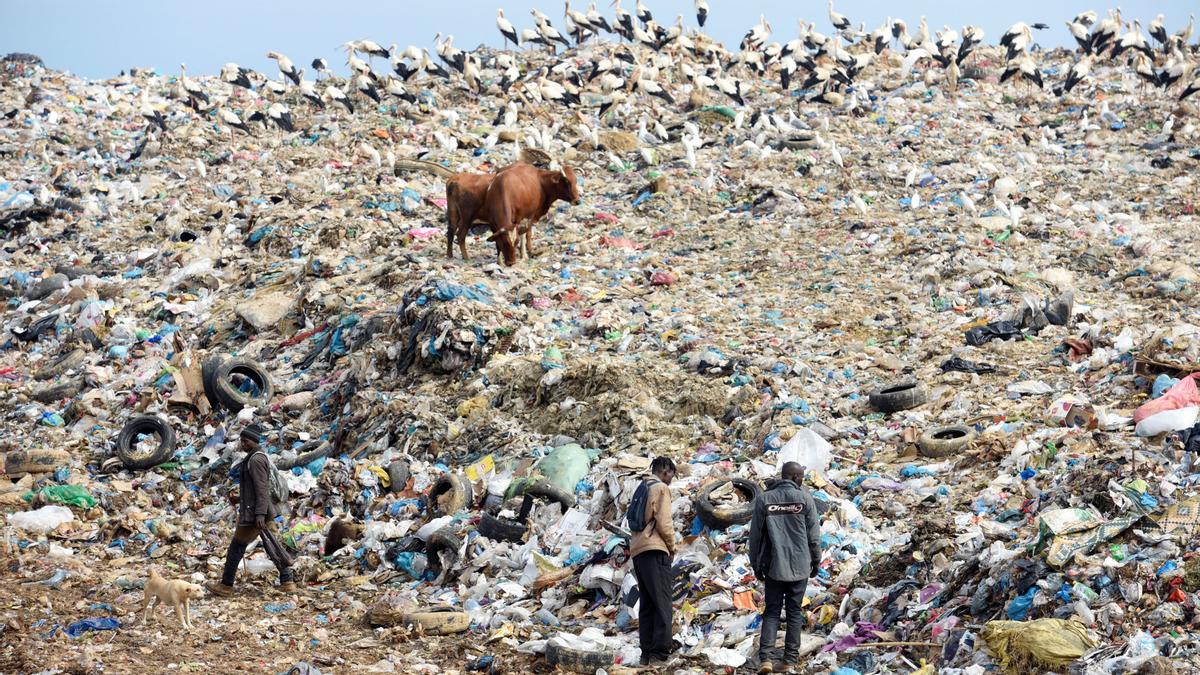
column 285, row 66
column 507, row 30
column 839, row 21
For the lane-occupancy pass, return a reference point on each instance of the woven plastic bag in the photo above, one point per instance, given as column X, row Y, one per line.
column 1028, row 646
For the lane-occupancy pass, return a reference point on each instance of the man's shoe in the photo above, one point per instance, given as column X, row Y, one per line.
column 766, row 667
column 287, row 587
column 218, row 588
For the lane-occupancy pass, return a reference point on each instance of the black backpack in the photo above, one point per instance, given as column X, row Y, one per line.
column 636, row 515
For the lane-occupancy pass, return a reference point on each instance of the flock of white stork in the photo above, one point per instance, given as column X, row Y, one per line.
column 651, row 62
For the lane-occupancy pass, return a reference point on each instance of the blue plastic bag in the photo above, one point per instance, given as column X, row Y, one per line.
column 1018, row 609
column 94, row 623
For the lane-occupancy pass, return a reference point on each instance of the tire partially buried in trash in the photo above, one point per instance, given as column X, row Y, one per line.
column 440, row 620
column 253, row 388
column 62, row 364
column 578, row 660
column 899, row 396
column 719, row 517
column 550, row 492
column 127, row 442
column 444, row 539
column 497, row 528
column 450, row 494
column 35, row 461
column 944, row 441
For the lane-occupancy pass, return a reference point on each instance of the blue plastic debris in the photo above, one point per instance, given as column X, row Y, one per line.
column 92, row 624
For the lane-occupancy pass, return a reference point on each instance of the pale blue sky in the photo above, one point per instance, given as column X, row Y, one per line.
column 98, row 38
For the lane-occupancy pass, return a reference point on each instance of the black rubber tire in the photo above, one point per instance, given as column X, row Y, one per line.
column 578, row 660
column 552, row 493
column 441, row 540
column 64, row 363
column 303, row 459
column 208, row 369
column 35, row 461
column 501, row 529
column 399, row 474
column 461, row 494
column 944, row 441
column 144, row 424
column 229, row 397
column 718, row 518
column 58, row 390
column 899, row 396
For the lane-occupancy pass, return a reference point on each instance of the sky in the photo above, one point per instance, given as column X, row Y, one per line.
column 99, row 38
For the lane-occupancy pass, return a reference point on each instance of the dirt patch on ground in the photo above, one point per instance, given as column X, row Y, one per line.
column 259, row 631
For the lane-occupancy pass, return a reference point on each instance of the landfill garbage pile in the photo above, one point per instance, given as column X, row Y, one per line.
column 968, row 308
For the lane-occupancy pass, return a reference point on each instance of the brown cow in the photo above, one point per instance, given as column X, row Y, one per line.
column 518, row 198
column 465, row 196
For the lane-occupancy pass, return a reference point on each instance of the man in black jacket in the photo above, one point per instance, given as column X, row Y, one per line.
column 256, row 516
column 785, row 550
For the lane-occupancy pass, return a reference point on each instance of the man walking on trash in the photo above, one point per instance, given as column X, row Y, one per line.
column 785, row 550
column 256, row 515
column 652, row 550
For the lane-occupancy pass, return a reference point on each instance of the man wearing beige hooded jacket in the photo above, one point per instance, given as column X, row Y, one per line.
column 652, row 551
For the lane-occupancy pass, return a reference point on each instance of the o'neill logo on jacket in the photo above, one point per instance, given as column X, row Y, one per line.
column 785, row 509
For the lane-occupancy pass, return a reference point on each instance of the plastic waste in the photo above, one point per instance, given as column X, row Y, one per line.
column 42, row 520
column 1183, row 394
column 565, row 466
column 1048, row 643
column 808, row 449
column 92, row 624
column 997, row 330
column 72, row 495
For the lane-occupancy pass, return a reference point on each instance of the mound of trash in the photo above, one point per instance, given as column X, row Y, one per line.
column 981, row 348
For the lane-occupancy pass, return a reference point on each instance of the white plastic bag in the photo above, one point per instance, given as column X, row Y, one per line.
column 808, row 449
column 43, row 520
column 432, row 526
column 1168, row 420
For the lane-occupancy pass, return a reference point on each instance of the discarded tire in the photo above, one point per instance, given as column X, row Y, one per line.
column 64, row 363
column 944, row 441
column 399, row 474
column 578, row 660
column 450, row 494
column 431, row 620
column 719, row 517
column 57, row 391
column 35, row 461
column 501, row 529
column 255, row 388
column 438, row 620
column 899, row 396
column 551, row 493
column 306, row 456
column 441, row 540
column 127, row 442
column 208, row 370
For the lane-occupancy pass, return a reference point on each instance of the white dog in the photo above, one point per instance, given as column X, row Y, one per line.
column 174, row 592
